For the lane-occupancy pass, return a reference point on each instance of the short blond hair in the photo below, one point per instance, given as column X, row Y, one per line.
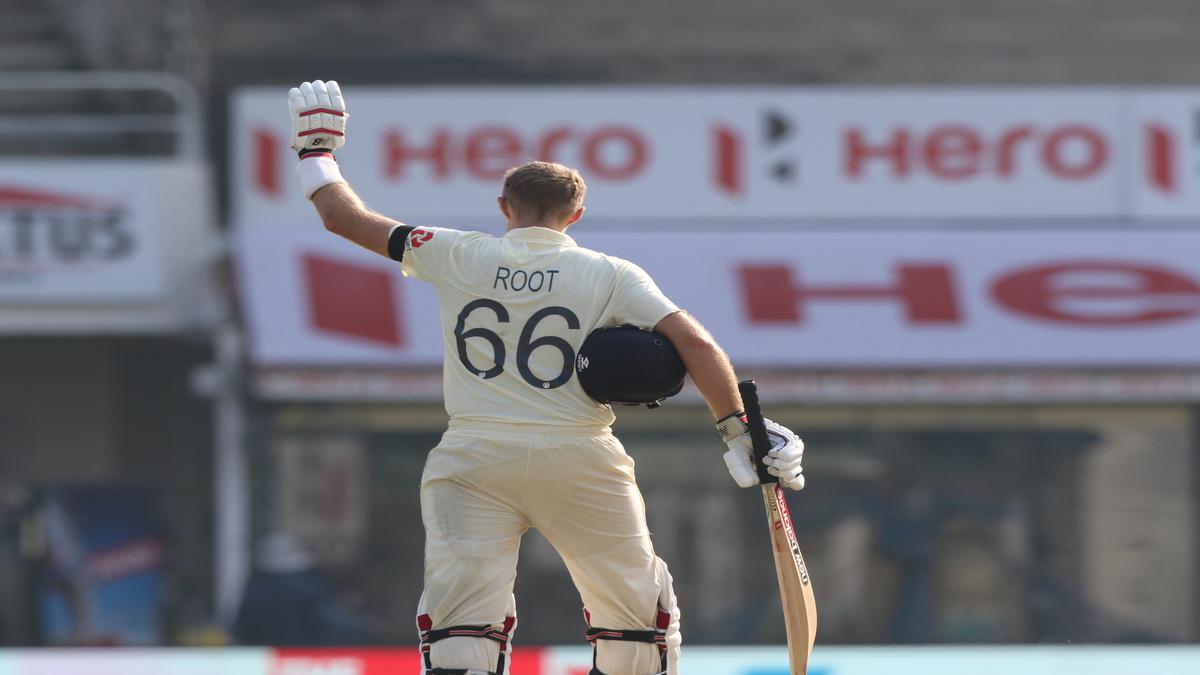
column 540, row 191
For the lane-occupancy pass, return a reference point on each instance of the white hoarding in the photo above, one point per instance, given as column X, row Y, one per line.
column 81, row 231
column 786, row 299
column 577, row 660
column 133, row 661
column 691, row 153
column 1090, row 660
column 313, row 298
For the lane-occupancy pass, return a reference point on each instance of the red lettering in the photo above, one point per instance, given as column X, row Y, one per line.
column 1006, row 158
column 1160, row 158
column 548, row 148
column 632, row 148
column 398, row 154
column 772, row 295
column 485, row 153
column 266, row 162
column 728, row 159
column 958, row 152
column 491, row 151
column 1094, row 147
column 895, row 152
column 953, row 152
column 1111, row 294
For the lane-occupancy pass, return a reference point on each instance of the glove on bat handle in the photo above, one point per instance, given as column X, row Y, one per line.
column 758, row 429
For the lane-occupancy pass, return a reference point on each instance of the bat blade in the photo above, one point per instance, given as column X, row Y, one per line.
column 795, row 586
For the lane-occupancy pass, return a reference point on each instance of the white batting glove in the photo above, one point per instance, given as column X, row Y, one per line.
column 318, row 117
column 318, row 128
column 783, row 460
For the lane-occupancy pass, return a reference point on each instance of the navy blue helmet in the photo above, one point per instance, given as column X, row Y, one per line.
column 625, row 365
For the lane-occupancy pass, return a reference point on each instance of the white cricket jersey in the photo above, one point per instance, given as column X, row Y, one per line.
column 515, row 310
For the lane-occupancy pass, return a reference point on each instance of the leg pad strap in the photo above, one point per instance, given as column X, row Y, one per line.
column 430, row 635
column 656, row 636
column 651, row 636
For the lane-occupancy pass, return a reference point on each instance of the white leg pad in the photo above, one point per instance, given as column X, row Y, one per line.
column 615, row 657
column 668, row 603
column 474, row 654
column 627, row 658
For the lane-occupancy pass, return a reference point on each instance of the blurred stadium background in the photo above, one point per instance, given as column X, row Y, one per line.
column 957, row 243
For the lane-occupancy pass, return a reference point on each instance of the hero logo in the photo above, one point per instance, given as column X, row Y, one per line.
column 608, row 153
column 949, row 152
column 776, row 135
column 40, row 230
column 611, row 153
column 1081, row 293
column 955, row 152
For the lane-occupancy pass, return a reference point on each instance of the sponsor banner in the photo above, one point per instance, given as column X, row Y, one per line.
column 784, row 386
column 108, row 661
column 936, row 299
column 766, row 660
column 811, row 300
column 344, row 662
column 313, row 298
column 916, row 661
column 349, row 384
column 384, row 661
column 690, row 155
column 81, row 231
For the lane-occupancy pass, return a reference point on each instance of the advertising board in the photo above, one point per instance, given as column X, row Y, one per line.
column 687, row 156
column 786, row 299
column 576, row 660
column 72, row 232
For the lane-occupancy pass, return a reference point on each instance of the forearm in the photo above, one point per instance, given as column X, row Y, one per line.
column 344, row 214
column 713, row 375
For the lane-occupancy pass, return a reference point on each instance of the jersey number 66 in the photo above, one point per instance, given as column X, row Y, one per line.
column 525, row 345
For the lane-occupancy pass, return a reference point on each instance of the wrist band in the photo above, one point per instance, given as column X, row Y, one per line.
column 732, row 426
column 318, row 169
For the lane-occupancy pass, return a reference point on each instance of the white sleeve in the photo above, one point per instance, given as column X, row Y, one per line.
column 425, row 251
column 637, row 300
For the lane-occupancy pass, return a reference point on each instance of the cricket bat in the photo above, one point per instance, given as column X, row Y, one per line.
column 795, row 588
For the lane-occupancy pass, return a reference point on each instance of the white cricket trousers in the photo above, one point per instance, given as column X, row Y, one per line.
column 484, row 485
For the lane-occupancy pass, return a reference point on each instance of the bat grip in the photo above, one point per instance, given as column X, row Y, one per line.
column 758, row 429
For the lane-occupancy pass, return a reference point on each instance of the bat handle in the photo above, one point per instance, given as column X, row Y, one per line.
column 758, row 429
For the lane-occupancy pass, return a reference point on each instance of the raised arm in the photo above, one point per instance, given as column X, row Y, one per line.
column 345, row 215
column 319, row 117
